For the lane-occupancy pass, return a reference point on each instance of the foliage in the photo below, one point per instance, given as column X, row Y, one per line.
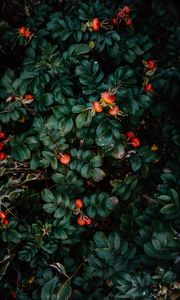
column 59, row 148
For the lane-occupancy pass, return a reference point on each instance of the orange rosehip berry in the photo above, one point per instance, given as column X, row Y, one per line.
column 89, row 221
column 79, row 203
column 65, row 159
column 97, row 107
column 130, row 135
column 29, row 97
column 135, row 142
column 107, row 97
column 151, row 64
column 148, row 87
column 96, row 24
column 28, row 34
column 22, row 30
column 6, row 221
column 2, row 215
column 81, row 221
column 114, row 111
column 3, row 156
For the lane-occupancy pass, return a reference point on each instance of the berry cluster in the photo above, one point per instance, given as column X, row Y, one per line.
column 3, row 218
column 26, row 99
column 82, row 220
column 3, row 155
column 135, row 141
column 25, row 32
column 150, row 68
column 107, row 100
column 123, row 15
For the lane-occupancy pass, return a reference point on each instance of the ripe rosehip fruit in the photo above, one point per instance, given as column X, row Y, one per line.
column 29, row 97
column 22, row 30
column 65, row 159
column 28, row 34
column 81, row 221
column 127, row 9
column 79, row 203
column 96, row 24
column 97, row 107
column 135, row 142
column 148, row 87
column 119, row 14
column 151, row 64
column 2, row 135
column 1, row 146
column 6, row 221
column 130, row 135
column 3, row 155
column 114, row 111
column 3, row 215
column 108, row 98
column 128, row 22
column 89, row 221
column 114, row 21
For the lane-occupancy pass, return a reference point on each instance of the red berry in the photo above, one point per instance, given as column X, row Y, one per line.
column 107, row 97
column 96, row 24
column 2, row 215
column 29, row 97
column 22, row 30
column 81, row 221
column 127, row 9
column 97, row 107
column 114, row 21
column 128, row 22
column 120, row 14
column 89, row 221
column 6, row 221
column 79, row 203
column 114, row 111
column 2, row 135
column 130, row 135
column 65, row 159
column 28, row 34
column 136, row 142
column 3, row 155
column 148, row 87
column 151, row 64
column 1, row 146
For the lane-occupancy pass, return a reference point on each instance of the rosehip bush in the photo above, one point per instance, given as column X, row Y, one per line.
column 89, row 150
